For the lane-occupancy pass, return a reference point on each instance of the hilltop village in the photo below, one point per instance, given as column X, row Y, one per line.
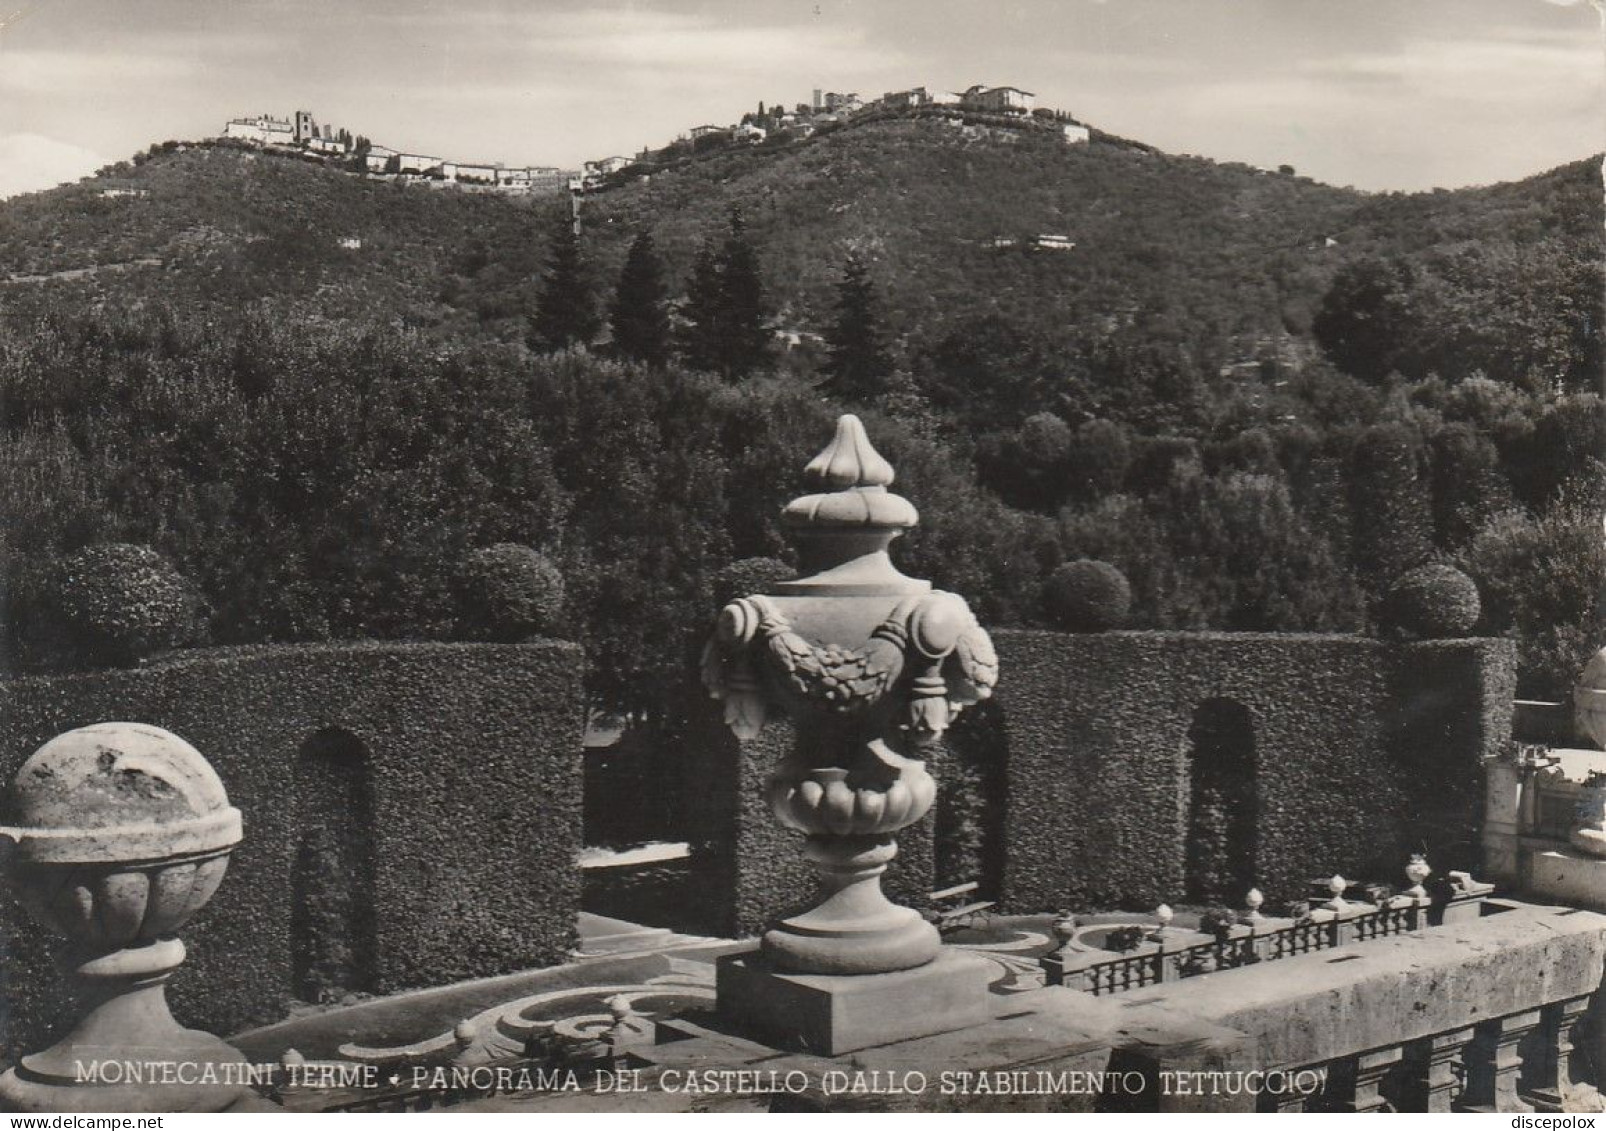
column 1002, row 110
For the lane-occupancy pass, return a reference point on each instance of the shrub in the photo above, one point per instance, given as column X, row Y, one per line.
column 1218, row 921
column 1088, row 596
column 120, row 602
column 1541, row 576
column 509, row 592
column 1433, row 601
column 749, row 576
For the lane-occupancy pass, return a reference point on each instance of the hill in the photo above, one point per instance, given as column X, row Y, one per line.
column 1260, row 397
column 1229, row 261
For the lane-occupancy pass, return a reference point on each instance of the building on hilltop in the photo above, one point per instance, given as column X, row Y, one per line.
column 263, row 129
column 605, row 166
column 997, row 98
column 905, row 99
column 306, row 128
column 831, row 102
column 416, row 163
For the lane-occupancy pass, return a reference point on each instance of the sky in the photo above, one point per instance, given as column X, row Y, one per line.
column 1378, row 94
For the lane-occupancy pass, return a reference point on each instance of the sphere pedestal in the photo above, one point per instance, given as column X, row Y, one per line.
column 119, row 833
column 127, row 1053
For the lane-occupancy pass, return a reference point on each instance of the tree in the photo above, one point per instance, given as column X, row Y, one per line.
column 724, row 309
column 744, row 338
column 639, row 317
column 1365, row 320
column 858, row 366
column 564, row 314
column 699, row 336
column 1391, row 502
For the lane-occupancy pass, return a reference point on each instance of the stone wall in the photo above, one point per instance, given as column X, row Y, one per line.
column 468, row 771
column 1362, row 752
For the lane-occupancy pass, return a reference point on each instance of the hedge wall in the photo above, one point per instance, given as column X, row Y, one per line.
column 1363, row 751
column 1453, row 710
column 473, row 755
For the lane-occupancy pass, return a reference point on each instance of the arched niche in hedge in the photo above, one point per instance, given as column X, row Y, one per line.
column 332, row 920
column 1219, row 862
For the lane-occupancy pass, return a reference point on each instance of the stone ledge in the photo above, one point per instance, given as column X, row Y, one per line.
column 1335, row 1003
column 1566, row 875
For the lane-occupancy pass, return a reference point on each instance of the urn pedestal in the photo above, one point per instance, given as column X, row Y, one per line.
column 117, row 834
column 871, row 667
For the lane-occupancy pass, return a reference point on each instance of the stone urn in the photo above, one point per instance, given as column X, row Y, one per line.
column 871, row 666
column 1589, row 834
column 115, row 835
column 1589, row 699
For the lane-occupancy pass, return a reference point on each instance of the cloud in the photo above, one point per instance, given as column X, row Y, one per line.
column 633, row 39
column 31, row 162
column 53, row 72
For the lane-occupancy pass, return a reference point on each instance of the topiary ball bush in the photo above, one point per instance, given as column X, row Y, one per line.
column 748, row 576
column 1087, row 596
column 1433, row 601
column 120, row 602
column 509, row 593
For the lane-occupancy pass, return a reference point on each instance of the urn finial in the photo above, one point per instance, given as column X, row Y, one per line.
column 850, row 479
column 849, row 460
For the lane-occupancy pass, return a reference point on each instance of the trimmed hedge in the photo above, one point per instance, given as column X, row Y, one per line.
column 475, row 763
column 121, row 602
column 1088, row 596
column 1357, row 763
column 508, row 593
column 1452, row 712
column 1433, row 601
column 747, row 576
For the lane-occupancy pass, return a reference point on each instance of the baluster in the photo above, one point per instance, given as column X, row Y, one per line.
column 1494, row 1063
column 1372, row 1069
column 1547, row 1075
column 1430, row 1063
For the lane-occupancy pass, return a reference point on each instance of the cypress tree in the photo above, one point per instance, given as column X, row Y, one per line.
column 639, row 318
column 699, row 337
column 724, row 309
column 744, row 339
column 858, row 366
column 565, row 314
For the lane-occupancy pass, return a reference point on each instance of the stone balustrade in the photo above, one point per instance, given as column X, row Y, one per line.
column 1485, row 1014
column 1169, row 954
column 1519, row 1062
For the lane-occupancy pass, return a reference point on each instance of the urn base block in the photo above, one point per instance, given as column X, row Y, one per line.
column 832, row 1014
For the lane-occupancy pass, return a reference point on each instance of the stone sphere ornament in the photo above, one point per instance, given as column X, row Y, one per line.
column 115, row 835
column 872, row 667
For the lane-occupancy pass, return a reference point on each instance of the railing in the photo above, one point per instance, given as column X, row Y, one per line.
column 1125, row 972
column 1243, row 945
